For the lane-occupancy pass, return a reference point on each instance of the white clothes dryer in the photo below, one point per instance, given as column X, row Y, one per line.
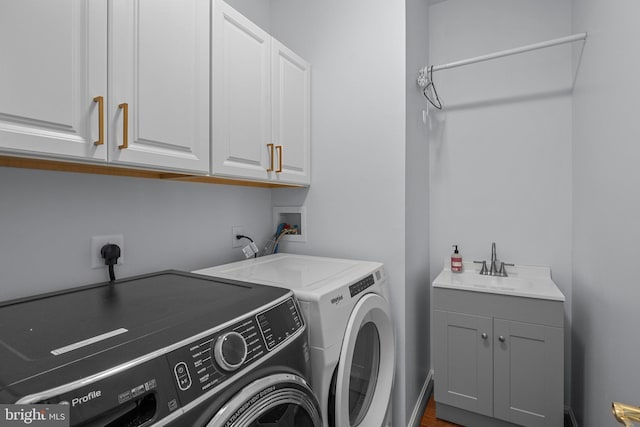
column 346, row 305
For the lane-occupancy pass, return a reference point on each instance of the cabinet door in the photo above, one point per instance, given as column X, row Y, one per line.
column 528, row 373
column 158, row 63
column 463, row 361
column 53, row 57
column 241, row 79
column 291, row 114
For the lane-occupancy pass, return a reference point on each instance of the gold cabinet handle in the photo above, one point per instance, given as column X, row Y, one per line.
column 279, row 149
column 100, row 101
column 125, row 125
column 270, row 147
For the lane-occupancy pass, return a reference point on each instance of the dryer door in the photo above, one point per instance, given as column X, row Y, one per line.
column 282, row 400
column 366, row 368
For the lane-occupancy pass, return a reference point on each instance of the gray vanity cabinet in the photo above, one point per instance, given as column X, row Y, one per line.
column 463, row 361
column 498, row 359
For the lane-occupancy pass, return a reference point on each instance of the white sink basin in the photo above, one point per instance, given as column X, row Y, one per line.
column 523, row 281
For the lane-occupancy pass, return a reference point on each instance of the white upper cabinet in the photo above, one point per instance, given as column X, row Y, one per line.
column 134, row 83
column 53, row 63
column 261, row 103
column 159, row 78
column 241, row 75
column 291, row 114
column 54, row 83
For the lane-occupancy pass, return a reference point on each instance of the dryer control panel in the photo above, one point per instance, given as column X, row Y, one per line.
column 361, row 285
column 205, row 364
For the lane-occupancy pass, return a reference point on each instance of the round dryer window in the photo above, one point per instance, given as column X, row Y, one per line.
column 364, row 376
column 282, row 400
column 364, row 372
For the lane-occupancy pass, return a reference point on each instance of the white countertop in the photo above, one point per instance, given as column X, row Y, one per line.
column 523, row 281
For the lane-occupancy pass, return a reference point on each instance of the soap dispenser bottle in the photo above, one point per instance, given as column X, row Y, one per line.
column 456, row 260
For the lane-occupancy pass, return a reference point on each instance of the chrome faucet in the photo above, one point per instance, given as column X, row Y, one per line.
column 493, row 269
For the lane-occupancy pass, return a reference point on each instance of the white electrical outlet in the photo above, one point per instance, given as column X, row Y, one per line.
column 97, row 242
column 237, row 243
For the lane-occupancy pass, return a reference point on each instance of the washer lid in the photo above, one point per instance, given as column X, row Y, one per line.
column 307, row 275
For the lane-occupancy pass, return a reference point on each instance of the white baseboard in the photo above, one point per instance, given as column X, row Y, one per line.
column 421, row 403
column 572, row 416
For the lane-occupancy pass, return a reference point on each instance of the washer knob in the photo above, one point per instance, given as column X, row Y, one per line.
column 230, row 351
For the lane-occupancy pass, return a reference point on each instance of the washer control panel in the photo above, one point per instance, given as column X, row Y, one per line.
column 182, row 375
column 230, row 351
column 278, row 323
column 206, row 363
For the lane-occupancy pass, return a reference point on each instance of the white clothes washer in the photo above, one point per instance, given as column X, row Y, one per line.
column 346, row 306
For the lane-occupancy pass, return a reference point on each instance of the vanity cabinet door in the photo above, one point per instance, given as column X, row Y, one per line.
column 463, row 361
column 52, row 67
column 528, row 371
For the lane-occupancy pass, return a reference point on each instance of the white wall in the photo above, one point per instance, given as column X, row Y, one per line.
column 356, row 202
column 47, row 220
column 500, row 164
column 606, row 209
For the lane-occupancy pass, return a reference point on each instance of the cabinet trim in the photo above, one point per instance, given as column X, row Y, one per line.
column 62, row 166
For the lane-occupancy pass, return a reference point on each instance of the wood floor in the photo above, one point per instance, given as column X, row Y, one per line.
column 429, row 418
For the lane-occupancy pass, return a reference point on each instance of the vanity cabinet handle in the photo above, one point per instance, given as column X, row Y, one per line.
column 100, row 101
column 501, row 338
column 484, row 336
column 125, row 125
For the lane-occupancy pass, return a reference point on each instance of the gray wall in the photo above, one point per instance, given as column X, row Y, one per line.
column 417, row 280
column 356, row 205
column 258, row 11
column 47, row 220
column 500, row 160
column 606, row 209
